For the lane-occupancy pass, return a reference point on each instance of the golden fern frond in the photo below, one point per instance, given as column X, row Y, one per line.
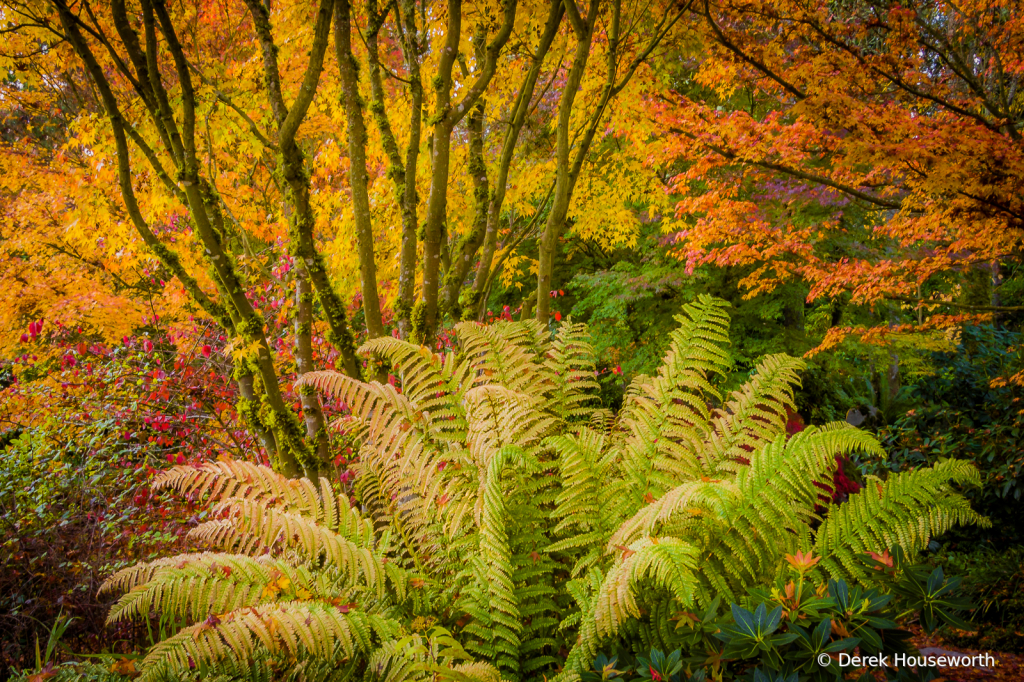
column 237, row 478
column 258, row 483
column 387, row 415
column 497, row 359
column 399, row 439
column 128, row 578
column 497, row 416
column 223, row 534
column 286, row 627
column 573, row 361
column 907, row 510
column 755, row 414
column 433, row 382
column 477, row 671
column 196, row 585
column 271, row 528
column 669, row 563
column 530, row 334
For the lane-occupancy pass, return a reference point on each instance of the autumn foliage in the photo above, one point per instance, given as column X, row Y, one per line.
column 206, row 204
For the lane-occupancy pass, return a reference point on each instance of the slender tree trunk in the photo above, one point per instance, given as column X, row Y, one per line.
column 248, row 409
column 312, row 412
column 426, row 315
column 301, row 242
column 548, row 244
column 465, row 249
column 358, row 178
column 567, row 171
column 520, row 113
column 402, row 175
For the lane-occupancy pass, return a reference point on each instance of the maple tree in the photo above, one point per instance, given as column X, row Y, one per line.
column 224, row 144
column 903, row 120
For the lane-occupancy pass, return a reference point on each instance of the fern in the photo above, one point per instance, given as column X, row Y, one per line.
column 504, row 515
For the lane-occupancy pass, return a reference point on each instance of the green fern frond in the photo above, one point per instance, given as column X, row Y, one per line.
column 664, row 419
column 590, row 500
column 755, row 414
column 907, row 510
column 419, row 658
column 697, row 347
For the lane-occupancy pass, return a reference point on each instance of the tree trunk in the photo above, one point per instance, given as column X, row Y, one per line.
column 358, row 178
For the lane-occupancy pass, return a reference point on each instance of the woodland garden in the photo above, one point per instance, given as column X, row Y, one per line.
column 481, row 340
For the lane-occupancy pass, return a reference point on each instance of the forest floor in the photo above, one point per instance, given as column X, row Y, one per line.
column 1008, row 668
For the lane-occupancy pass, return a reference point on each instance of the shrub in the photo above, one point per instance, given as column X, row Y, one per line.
column 971, row 411
column 995, row 582
column 495, row 500
column 781, row 633
column 91, row 424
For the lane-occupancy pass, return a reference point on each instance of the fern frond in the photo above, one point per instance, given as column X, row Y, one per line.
column 193, row 586
column 287, row 627
column 573, row 361
column 503, row 354
column 664, row 419
column 433, row 382
column 269, row 528
column 669, row 563
column 590, row 503
column 755, row 414
column 907, row 510
column 417, row 658
column 505, row 622
column 235, row 478
column 696, row 350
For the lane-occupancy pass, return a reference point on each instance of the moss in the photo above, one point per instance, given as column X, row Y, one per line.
column 403, row 311
column 248, row 410
column 251, row 327
column 469, row 300
column 419, row 319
